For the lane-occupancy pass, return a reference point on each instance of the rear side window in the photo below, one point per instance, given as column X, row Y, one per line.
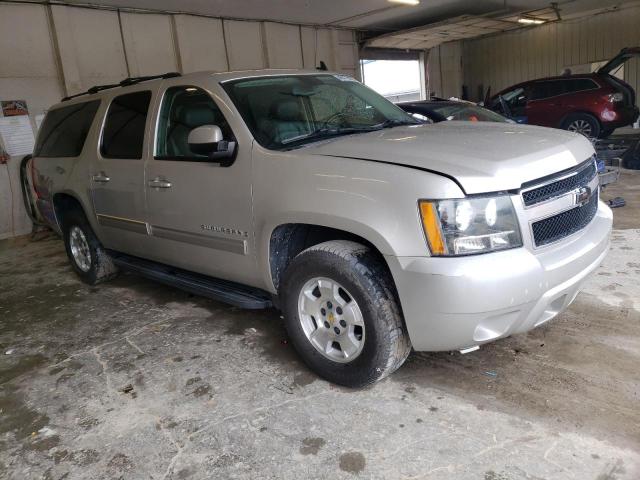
column 65, row 130
column 123, row 134
column 580, row 85
column 540, row 90
column 553, row 88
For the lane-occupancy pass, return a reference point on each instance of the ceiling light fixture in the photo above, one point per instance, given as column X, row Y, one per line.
column 531, row 21
column 406, row 2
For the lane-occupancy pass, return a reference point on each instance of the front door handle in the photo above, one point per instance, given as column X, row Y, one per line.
column 60, row 170
column 100, row 178
column 159, row 183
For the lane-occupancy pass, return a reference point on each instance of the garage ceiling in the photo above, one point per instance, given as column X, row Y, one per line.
column 458, row 28
column 380, row 15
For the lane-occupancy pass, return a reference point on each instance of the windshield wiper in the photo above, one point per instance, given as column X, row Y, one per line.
column 325, row 132
column 328, row 132
column 393, row 123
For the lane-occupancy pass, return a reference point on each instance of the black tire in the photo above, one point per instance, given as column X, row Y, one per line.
column 101, row 267
column 363, row 274
column 575, row 121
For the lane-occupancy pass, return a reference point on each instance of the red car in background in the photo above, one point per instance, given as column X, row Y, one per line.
column 593, row 104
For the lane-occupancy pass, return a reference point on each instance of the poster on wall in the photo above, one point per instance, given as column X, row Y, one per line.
column 14, row 108
column 17, row 135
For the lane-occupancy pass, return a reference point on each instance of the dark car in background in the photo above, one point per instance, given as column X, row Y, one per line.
column 592, row 104
column 437, row 110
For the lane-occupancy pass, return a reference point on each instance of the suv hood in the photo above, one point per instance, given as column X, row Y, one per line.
column 482, row 157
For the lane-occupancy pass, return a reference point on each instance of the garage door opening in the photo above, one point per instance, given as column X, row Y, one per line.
column 396, row 80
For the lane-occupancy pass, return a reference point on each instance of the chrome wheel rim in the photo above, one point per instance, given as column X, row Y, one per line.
column 331, row 320
column 580, row 126
column 80, row 249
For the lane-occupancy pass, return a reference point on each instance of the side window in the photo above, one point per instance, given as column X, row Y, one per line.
column 553, row 88
column 580, row 85
column 65, row 130
column 123, row 133
column 557, row 87
column 539, row 91
column 183, row 109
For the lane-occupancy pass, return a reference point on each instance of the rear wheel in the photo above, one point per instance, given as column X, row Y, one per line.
column 342, row 315
column 582, row 123
column 87, row 255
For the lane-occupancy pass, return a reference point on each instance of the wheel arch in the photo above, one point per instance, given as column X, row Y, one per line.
column 595, row 116
column 288, row 239
column 65, row 201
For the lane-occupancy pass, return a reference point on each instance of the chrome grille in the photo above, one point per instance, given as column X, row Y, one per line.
column 564, row 224
column 569, row 181
column 560, row 205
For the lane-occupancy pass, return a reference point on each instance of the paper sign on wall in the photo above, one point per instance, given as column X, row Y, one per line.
column 14, row 108
column 17, row 135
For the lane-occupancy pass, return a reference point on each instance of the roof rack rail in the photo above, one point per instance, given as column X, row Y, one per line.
column 133, row 80
column 91, row 91
column 124, row 83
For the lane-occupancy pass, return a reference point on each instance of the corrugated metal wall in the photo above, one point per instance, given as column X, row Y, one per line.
column 47, row 52
column 503, row 60
column 444, row 70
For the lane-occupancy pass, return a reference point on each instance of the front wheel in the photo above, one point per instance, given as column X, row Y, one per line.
column 342, row 315
column 87, row 255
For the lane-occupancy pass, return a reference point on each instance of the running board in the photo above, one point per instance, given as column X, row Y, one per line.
column 221, row 290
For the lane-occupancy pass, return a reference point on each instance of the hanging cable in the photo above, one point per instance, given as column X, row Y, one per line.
column 13, row 226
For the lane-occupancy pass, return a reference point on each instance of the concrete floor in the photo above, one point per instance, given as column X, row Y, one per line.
column 135, row 380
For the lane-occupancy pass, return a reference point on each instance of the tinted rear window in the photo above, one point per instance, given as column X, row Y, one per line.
column 548, row 89
column 580, row 84
column 123, row 134
column 65, row 130
column 552, row 88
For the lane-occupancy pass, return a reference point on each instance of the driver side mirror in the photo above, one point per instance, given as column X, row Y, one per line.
column 207, row 140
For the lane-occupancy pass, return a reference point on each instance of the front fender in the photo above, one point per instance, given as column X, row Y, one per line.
column 376, row 201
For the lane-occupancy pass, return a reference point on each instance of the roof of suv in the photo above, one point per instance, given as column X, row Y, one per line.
column 99, row 90
column 590, row 76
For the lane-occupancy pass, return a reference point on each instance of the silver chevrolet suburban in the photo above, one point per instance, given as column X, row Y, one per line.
column 309, row 192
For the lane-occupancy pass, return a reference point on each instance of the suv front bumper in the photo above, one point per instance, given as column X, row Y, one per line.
column 459, row 302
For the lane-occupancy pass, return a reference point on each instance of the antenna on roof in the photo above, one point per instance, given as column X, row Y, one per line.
column 323, row 66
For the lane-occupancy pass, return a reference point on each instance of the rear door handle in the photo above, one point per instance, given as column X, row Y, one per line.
column 100, row 178
column 60, row 170
column 159, row 183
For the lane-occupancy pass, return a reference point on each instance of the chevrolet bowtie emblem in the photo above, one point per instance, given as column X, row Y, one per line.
column 582, row 195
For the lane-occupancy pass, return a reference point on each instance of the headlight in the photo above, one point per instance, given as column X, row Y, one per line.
column 467, row 226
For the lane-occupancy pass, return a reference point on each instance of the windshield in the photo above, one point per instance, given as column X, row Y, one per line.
column 289, row 111
column 469, row 113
